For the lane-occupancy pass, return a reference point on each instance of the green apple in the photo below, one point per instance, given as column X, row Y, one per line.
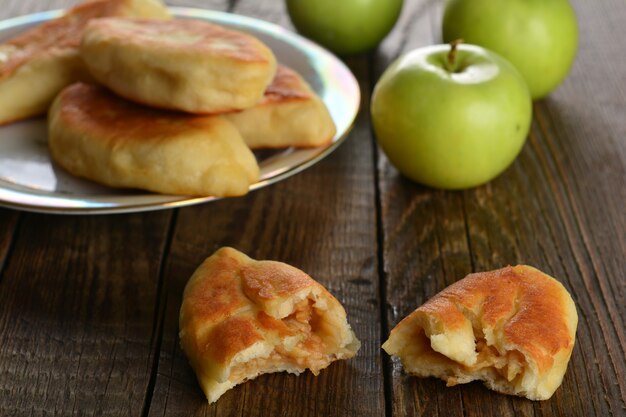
column 539, row 37
column 345, row 26
column 451, row 117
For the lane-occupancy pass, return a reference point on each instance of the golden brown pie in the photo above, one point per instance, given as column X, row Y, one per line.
column 512, row 328
column 94, row 134
column 290, row 114
column 181, row 64
column 241, row 318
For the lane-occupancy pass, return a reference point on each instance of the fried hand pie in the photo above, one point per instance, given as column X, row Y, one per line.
column 512, row 328
column 241, row 318
column 289, row 114
column 182, row 64
column 96, row 135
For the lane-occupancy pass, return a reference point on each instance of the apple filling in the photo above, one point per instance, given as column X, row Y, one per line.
column 490, row 364
column 508, row 366
column 313, row 349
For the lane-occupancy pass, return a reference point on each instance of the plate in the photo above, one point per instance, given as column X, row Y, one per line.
column 30, row 181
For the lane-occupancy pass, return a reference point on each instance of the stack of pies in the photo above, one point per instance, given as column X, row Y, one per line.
column 139, row 100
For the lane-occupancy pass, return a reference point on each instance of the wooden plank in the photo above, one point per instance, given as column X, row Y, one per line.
column 326, row 230
column 8, row 223
column 424, row 236
column 77, row 304
column 275, row 13
column 580, row 129
column 219, row 5
column 559, row 207
column 14, row 8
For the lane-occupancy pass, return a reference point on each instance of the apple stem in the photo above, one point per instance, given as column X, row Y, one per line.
column 452, row 53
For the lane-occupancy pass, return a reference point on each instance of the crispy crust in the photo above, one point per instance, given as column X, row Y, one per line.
column 50, row 52
column 289, row 114
column 61, row 33
column 97, row 135
column 237, row 310
column 286, row 86
column 187, row 65
column 93, row 109
column 514, row 314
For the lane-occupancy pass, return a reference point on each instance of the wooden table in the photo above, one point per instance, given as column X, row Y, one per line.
column 89, row 305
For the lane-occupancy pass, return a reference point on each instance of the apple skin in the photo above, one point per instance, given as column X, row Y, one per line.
column 539, row 37
column 451, row 128
column 345, row 27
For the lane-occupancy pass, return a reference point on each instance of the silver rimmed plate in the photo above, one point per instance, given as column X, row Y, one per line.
column 30, row 181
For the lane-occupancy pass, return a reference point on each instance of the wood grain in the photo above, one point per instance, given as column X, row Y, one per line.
column 76, row 314
column 8, row 223
column 89, row 305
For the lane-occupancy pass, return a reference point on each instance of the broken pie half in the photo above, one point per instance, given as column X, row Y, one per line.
column 512, row 328
column 241, row 318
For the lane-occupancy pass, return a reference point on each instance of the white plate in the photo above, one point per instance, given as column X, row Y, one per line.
column 30, row 181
